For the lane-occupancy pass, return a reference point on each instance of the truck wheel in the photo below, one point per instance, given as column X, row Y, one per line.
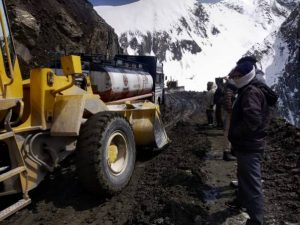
column 105, row 153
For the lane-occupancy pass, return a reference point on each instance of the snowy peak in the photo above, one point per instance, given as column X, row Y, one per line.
column 198, row 39
column 145, row 15
column 279, row 54
column 288, row 85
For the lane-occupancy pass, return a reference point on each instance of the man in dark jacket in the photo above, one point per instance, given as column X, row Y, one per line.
column 247, row 134
column 229, row 96
column 218, row 101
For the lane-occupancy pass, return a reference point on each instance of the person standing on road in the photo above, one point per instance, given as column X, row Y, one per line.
column 211, row 88
column 247, row 133
column 230, row 92
column 229, row 97
column 218, row 102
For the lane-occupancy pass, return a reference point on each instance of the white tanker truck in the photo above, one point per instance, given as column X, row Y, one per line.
column 126, row 78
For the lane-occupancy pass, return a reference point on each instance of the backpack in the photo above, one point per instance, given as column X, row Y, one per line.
column 271, row 96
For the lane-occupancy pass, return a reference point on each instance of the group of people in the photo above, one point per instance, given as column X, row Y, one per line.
column 219, row 98
column 241, row 103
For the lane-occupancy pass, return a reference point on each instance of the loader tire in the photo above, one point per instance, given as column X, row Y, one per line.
column 105, row 153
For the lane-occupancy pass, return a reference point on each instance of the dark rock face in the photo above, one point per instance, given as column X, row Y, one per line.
column 65, row 26
column 291, row 4
column 288, row 85
column 161, row 42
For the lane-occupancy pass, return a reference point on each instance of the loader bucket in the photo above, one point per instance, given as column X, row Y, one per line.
column 148, row 115
column 160, row 134
column 145, row 120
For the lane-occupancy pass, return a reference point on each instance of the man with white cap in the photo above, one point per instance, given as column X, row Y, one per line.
column 260, row 75
column 247, row 135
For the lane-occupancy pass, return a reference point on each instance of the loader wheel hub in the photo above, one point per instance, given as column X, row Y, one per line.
column 117, row 157
column 112, row 153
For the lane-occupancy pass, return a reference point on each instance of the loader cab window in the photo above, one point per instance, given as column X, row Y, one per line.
column 4, row 30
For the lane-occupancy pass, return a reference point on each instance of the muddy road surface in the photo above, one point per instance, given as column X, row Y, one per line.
column 185, row 184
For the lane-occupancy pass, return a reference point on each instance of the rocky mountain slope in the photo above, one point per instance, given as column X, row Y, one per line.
column 288, row 85
column 196, row 40
column 280, row 56
column 41, row 28
column 200, row 40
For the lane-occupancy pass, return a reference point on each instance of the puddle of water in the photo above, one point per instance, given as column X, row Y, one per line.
column 210, row 195
column 210, row 156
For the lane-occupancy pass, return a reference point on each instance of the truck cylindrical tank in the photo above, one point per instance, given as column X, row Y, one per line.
column 113, row 83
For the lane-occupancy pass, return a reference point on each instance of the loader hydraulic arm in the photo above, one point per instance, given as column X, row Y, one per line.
column 10, row 74
column 7, row 51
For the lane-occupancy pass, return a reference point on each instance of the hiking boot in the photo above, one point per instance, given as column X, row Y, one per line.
column 227, row 156
column 236, row 205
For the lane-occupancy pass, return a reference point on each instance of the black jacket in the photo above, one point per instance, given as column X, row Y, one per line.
column 219, row 96
column 249, row 119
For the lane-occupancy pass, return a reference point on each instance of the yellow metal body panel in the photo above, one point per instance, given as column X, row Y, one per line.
column 142, row 122
column 41, row 99
column 68, row 113
column 10, row 84
column 71, row 64
column 144, row 119
column 69, row 110
column 15, row 89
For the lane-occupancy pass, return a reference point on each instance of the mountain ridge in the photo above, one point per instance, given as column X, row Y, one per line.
column 208, row 37
column 195, row 39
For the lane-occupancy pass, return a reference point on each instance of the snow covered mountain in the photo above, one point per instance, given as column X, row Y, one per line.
column 198, row 40
column 280, row 55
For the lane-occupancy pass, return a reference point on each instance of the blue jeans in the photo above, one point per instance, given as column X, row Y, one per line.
column 250, row 187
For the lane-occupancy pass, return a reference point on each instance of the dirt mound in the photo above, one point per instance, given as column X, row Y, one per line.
column 281, row 172
column 170, row 191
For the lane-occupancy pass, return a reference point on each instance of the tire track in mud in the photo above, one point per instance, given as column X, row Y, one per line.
column 183, row 106
column 169, row 191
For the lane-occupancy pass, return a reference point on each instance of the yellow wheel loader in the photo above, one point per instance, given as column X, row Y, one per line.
column 45, row 118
